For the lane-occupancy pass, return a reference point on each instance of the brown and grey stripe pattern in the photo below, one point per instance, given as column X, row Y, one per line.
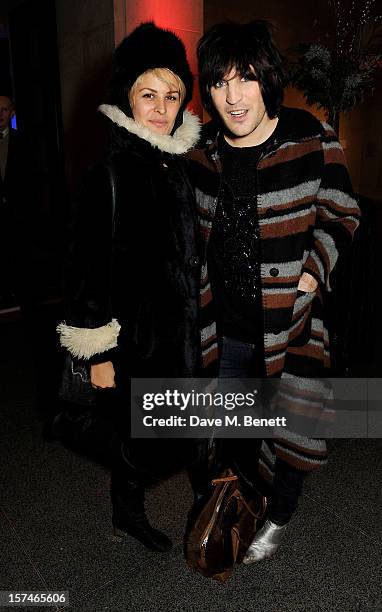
column 307, row 214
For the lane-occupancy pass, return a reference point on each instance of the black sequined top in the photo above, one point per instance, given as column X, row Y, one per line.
column 234, row 246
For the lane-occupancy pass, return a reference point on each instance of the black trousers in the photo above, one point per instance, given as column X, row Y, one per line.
column 238, row 360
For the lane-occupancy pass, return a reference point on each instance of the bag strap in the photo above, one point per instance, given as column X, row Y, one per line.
column 113, row 187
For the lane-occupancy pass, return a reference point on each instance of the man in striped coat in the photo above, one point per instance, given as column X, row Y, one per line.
column 276, row 209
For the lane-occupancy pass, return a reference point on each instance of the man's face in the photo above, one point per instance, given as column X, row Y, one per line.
column 6, row 112
column 240, row 105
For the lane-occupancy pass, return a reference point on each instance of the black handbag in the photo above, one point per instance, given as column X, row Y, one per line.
column 76, row 385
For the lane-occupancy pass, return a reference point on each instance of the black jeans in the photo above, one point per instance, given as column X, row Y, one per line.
column 238, row 360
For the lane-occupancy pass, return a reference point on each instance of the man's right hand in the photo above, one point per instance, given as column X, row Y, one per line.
column 102, row 375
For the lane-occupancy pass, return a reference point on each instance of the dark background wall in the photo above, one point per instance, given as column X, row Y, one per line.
column 5, row 60
column 34, row 66
column 33, row 45
column 85, row 40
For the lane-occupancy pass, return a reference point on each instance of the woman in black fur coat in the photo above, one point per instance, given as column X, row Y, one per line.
column 132, row 291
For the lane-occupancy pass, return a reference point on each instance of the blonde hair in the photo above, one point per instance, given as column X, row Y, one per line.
column 164, row 74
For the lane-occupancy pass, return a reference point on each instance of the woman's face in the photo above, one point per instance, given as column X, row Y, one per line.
column 155, row 104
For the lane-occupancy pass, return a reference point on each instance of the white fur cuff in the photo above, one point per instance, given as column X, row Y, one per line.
column 83, row 342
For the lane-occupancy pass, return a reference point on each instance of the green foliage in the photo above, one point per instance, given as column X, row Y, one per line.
column 333, row 82
column 336, row 75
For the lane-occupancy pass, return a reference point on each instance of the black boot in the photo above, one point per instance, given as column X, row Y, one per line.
column 129, row 515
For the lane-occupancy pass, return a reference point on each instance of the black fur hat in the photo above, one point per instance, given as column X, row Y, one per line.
column 147, row 47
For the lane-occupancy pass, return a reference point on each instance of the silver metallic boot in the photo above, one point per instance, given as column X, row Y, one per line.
column 265, row 543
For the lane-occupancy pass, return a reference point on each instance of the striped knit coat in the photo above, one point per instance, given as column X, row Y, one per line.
column 307, row 216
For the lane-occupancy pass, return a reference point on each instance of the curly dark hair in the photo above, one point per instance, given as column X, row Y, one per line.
column 230, row 45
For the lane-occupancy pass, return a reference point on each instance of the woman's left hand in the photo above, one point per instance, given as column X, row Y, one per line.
column 307, row 283
column 102, row 375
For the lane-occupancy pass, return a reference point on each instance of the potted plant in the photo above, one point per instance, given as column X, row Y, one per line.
column 335, row 75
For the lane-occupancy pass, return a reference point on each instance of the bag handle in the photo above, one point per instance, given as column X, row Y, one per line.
column 224, row 479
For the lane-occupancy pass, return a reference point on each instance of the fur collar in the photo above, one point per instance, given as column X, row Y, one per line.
column 184, row 138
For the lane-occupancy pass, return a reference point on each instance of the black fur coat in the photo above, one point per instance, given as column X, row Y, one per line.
column 132, row 294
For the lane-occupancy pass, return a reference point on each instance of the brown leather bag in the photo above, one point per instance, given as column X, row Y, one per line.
column 223, row 529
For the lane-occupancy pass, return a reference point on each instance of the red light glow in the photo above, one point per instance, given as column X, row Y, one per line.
column 184, row 17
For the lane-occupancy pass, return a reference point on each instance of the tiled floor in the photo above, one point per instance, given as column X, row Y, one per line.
column 55, row 522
